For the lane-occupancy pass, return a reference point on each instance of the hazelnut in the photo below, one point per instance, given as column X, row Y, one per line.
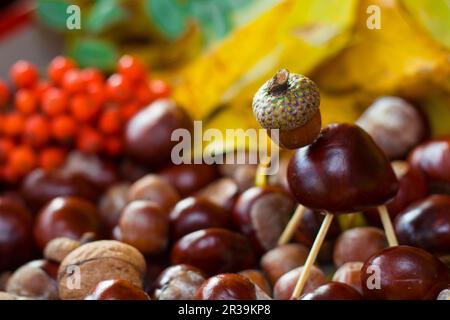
column 86, row 266
column 394, row 124
column 154, row 188
column 282, row 259
column 35, row 280
column 58, row 248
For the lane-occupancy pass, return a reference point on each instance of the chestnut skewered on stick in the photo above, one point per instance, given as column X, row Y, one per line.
column 340, row 170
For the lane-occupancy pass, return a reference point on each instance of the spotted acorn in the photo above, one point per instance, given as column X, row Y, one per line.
column 290, row 103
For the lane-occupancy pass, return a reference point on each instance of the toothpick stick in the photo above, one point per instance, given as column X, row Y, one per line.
column 312, row 255
column 261, row 173
column 387, row 225
column 294, row 222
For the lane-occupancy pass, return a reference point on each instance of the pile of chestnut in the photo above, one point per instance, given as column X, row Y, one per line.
column 143, row 230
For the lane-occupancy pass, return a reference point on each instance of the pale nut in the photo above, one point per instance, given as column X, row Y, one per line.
column 33, row 281
column 58, row 248
column 96, row 261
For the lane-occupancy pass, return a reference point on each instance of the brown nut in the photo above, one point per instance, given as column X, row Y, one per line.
column 350, row 273
column 282, row 259
column 178, row 282
column 34, row 280
column 145, row 226
column 394, row 124
column 262, row 213
column 156, row 189
column 58, row 248
column 259, row 279
column 285, row 285
column 96, row 261
column 358, row 244
column 111, row 205
column 117, row 289
column 242, row 174
column 4, row 277
column 223, row 192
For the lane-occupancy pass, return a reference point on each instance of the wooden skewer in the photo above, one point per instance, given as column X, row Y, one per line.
column 288, row 232
column 312, row 255
column 261, row 174
column 387, row 225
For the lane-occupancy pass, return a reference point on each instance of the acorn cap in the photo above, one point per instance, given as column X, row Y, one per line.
column 343, row 171
column 286, row 102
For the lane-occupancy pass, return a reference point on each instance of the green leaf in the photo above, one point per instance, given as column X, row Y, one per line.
column 434, row 16
column 169, row 16
column 104, row 14
column 213, row 18
column 94, row 53
column 53, row 13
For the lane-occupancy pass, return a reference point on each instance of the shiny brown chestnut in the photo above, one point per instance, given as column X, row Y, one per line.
column 358, row 244
column 69, row 217
column 214, row 251
column 16, row 241
column 230, row 286
column 189, row 178
column 117, row 289
column 350, row 274
column 242, row 174
column 39, row 187
column 178, row 282
column 262, row 213
column 148, row 133
column 342, row 171
column 111, row 204
column 432, row 158
column 196, row 213
column 282, row 259
column 426, row 224
column 259, row 279
column 143, row 225
column 309, row 227
column 403, row 273
column 412, row 187
column 285, row 285
column 153, row 188
column 333, row 291
column 223, row 192
column 395, row 125
column 97, row 171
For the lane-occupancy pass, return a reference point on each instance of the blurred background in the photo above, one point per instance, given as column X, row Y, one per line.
column 215, row 54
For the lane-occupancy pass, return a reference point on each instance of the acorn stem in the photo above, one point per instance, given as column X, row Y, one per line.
column 279, row 82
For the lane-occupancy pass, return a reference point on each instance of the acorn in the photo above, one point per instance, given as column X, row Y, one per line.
column 290, row 103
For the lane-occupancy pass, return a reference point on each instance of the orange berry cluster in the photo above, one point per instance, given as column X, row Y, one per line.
column 74, row 108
